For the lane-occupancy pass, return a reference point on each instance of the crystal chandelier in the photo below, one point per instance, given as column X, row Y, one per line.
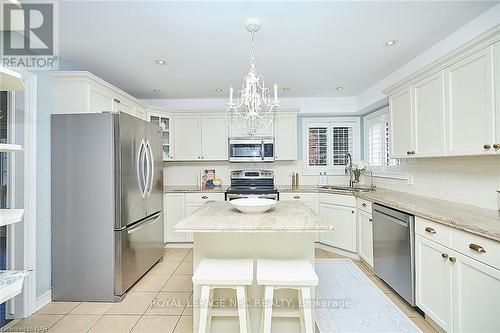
column 254, row 100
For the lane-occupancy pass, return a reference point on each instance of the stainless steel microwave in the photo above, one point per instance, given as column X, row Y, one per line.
column 254, row 149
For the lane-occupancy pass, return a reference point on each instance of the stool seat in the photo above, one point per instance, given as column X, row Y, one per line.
column 286, row 273
column 224, row 272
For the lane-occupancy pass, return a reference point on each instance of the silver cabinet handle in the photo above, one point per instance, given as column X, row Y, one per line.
column 430, row 230
column 363, row 204
column 204, row 197
column 296, row 197
column 477, row 248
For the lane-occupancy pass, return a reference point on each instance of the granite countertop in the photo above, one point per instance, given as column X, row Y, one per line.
column 223, row 217
column 476, row 220
column 194, row 189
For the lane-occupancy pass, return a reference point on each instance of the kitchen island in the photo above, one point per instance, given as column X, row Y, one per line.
column 286, row 232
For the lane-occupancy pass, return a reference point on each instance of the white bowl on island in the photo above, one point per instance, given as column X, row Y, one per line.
column 253, row 205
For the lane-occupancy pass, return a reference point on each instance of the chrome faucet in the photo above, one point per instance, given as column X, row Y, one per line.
column 348, row 168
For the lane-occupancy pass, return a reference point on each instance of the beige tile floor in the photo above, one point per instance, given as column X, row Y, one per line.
column 159, row 302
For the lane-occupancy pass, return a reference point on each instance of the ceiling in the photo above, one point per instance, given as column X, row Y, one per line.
column 310, row 47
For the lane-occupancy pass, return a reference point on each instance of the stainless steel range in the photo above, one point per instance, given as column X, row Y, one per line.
column 252, row 183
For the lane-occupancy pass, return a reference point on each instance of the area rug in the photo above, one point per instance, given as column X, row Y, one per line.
column 348, row 301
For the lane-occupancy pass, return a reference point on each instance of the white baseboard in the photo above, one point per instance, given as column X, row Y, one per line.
column 43, row 300
column 179, row 245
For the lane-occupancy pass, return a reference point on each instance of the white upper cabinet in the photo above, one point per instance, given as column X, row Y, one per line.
column 81, row 92
column 187, row 136
column 450, row 108
column 285, row 131
column 469, row 109
column 428, row 116
column 164, row 120
column 401, row 124
column 214, row 142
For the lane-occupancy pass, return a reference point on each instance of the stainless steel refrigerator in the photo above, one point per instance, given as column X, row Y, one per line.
column 107, row 202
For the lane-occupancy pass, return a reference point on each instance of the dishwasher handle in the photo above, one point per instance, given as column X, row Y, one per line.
column 392, row 219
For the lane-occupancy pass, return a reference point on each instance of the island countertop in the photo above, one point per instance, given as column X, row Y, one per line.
column 286, row 216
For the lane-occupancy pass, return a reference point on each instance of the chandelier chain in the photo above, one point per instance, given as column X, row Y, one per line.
column 252, row 54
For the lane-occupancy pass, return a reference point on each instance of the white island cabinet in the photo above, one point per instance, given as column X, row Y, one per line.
column 284, row 233
column 339, row 210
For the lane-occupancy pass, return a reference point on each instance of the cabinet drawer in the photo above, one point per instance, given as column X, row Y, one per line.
column 337, row 199
column 482, row 249
column 434, row 231
column 204, row 197
column 365, row 205
column 306, row 197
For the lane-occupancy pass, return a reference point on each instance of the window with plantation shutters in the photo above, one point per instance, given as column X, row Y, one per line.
column 327, row 142
column 318, row 146
column 377, row 149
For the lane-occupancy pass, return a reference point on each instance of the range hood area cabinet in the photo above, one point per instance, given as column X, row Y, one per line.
column 200, row 137
column 83, row 92
column 453, row 110
column 285, row 136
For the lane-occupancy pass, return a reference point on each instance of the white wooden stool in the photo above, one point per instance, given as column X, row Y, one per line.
column 288, row 274
column 213, row 274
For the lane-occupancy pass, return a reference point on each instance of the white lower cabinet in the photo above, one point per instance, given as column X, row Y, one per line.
column 476, row 296
column 365, row 236
column 433, row 281
column 458, row 292
column 174, row 211
column 343, row 219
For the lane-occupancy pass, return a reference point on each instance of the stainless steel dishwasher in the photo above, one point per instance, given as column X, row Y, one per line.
column 394, row 250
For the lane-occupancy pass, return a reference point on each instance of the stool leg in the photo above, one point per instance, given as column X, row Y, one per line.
column 306, row 304
column 301, row 313
column 268, row 308
column 210, row 308
column 242, row 308
column 204, row 302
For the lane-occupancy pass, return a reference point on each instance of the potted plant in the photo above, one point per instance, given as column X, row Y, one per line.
column 358, row 168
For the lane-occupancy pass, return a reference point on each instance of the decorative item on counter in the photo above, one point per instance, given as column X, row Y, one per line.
column 296, row 180
column 293, row 180
column 358, row 168
column 217, row 182
column 322, row 180
column 207, row 178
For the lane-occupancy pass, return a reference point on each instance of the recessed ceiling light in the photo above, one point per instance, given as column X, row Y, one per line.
column 161, row 61
column 339, row 89
column 285, row 89
column 218, row 90
column 391, row 42
column 157, row 91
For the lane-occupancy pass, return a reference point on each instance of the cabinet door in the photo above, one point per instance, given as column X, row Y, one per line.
column 469, row 108
column 100, row 101
column 496, row 65
column 285, row 136
column 365, row 236
column 140, row 112
column 187, row 136
column 428, row 116
column 174, row 211
column 123, row 105
column 433, row 281
column 400, row 115
column 343, row 220
column 164, row 120
column 214, row 143
column 476, row 296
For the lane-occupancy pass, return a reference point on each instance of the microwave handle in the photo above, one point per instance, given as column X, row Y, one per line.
column 262, row 150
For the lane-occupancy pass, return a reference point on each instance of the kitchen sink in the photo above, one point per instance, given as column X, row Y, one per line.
column 347, row 188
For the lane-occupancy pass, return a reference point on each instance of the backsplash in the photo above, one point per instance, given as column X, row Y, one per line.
column 471, row 180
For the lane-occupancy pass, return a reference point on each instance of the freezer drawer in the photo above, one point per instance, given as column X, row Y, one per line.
column 137, row 249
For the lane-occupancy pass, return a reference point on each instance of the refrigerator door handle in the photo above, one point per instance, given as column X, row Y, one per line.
column 144, row 224
column 150, row 169
column 140, row 168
